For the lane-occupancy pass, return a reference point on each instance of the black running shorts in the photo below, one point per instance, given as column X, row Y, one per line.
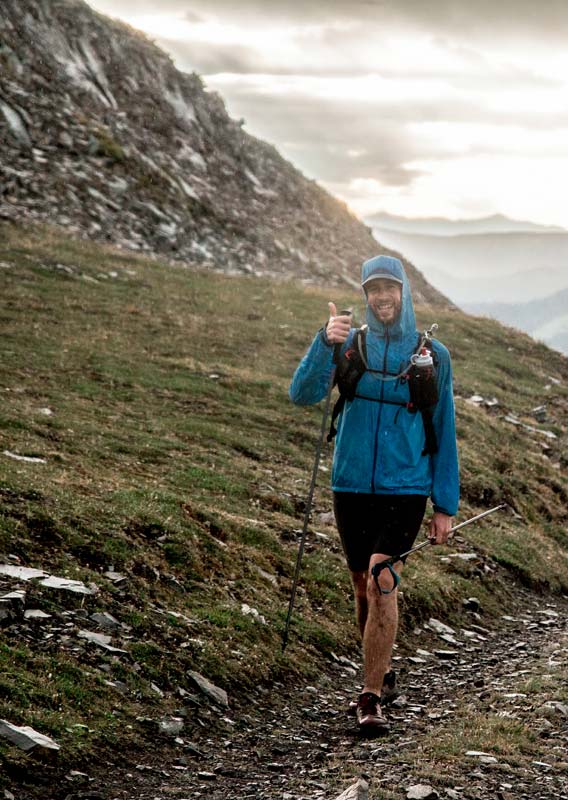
column 377, row 523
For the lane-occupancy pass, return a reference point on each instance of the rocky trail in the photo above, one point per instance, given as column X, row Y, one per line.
column 299, row 744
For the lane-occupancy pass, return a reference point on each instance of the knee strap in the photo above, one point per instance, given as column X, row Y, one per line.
column 376, row 571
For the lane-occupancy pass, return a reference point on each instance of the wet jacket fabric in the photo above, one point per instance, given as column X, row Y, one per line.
column 379, row 446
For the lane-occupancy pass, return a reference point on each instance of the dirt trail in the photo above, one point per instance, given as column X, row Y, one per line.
column 301, row 744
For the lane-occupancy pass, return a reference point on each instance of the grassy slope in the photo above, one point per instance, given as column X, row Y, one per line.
column 174, row 456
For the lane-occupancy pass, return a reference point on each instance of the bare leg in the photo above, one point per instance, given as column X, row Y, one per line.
column 380, row 628
column 361, row 605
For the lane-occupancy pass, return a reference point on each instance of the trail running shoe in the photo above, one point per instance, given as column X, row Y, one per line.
column 370, row 718
column 389, row 693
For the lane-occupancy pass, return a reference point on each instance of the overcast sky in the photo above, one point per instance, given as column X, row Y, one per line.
column 454, row 108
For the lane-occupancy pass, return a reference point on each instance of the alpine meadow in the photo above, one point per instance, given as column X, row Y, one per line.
column 169, row 473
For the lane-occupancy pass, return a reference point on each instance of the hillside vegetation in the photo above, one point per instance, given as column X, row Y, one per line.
column 156, row 397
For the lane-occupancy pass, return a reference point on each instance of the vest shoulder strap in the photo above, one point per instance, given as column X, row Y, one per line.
column 353, row 364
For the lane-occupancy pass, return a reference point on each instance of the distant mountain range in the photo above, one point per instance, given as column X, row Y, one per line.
column 545, row 319
column 514, row 271
column 439, row 226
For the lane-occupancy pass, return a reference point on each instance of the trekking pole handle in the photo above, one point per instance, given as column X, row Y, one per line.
column 389, row 562
column 455, row 528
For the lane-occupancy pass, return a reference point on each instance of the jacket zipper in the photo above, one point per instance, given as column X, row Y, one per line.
column 381, row 397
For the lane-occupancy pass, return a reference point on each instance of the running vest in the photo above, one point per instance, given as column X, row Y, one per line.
column 422, row 384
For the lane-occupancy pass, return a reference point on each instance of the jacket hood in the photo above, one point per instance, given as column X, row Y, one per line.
column 387, row 266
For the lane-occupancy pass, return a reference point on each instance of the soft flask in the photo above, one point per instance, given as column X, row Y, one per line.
column 422, row 380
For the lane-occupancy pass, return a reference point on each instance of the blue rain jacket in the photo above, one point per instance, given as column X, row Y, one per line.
column 378, row 449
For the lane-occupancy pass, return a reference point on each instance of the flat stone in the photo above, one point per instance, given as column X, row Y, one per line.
column 101, row 640
column 21, row 573
column 26, row 738
column 446, row 655
column 95, row 638
column 439, row 627
column 171, row 726
column 548, row 612
column 450, row 639
column 78, row 587
column 554, row 708
column 484, row 758
column 106, row 620
column 216, row 694
column 36, row 613
column 357, row 791
column 421, row 791
column 46, row 580
column 115, row 577
column 13, row 600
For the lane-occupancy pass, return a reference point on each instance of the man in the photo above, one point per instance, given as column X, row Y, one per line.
column 384, row 466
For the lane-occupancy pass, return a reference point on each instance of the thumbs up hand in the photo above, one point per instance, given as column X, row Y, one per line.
column 338, row 326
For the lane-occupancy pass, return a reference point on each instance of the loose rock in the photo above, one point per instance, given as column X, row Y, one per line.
column 26, row 738
column 216, row 694
column 357, row 791
column 422, row 791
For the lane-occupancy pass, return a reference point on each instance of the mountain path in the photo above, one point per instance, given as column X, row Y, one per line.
column 301, row 745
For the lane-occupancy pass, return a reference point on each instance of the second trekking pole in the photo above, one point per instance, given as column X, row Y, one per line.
column 310, row 498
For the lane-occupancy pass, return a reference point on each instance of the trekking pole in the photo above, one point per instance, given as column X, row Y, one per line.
column 309, row 501
column 389, row 562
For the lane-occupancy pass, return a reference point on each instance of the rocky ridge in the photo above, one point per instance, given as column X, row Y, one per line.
column 101, row 134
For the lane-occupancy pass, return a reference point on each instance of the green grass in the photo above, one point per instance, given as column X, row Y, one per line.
column 174, row 456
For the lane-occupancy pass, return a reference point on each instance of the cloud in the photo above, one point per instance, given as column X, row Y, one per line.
column 500, row 20
column 341, row 132
column 211, row 49
column 376, row 99
column 210, row 59
column 333, row 141
column 191, row 16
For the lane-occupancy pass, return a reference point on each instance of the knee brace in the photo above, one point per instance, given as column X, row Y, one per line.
column 376, row 571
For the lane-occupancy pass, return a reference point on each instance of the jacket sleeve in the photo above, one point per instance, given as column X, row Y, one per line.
column 310, row 382
column 445, row 467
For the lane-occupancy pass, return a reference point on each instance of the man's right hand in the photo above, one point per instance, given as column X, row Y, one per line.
column 337, row 328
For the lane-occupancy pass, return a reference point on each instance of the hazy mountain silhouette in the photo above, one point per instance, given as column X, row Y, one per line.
column 545, row 319
column 491, row 267
column 439, row 226
column 514, row 271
